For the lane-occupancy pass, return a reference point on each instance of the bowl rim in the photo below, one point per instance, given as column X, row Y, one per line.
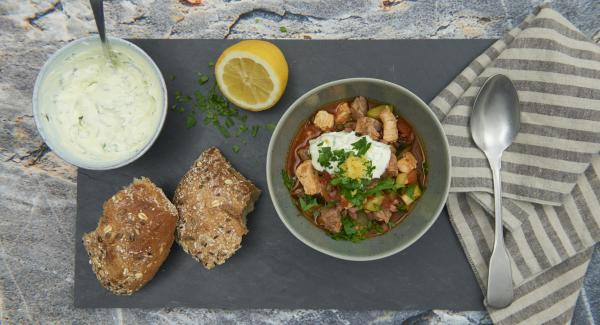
column 301, row 237
column 44, row 71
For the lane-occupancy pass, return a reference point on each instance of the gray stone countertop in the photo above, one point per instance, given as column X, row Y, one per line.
column 37, row 189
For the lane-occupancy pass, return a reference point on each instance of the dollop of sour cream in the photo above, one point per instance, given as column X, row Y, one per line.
column 378, row 153
column 97, row 110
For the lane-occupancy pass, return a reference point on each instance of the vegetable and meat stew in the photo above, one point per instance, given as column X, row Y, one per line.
column 355, row 169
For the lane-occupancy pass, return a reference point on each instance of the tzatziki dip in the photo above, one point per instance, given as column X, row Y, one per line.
column 96, row 111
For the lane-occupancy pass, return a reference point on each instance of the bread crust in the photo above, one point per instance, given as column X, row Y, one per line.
column 213, row 200
column 133, row 237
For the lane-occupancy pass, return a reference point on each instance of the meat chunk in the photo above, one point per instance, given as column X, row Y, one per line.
column 308, row 178
column 369, row 126
column 359, row 107
column 330, row 219
column 324, row 120
column 382, row 215
column 304, row 153
column 407, row 162
column 342, row 113
column 390, row 129
column 392, row 167
column 405, row 132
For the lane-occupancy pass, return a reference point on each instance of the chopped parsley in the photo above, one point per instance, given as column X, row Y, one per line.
column 328, row 156
column 190, row 121
column 410, row 191
column 288, row 180
column 202, row 78
column 214, row 109
column 361, row 146
column 307, row 202
column 384, row 184
column 283, row 29
column 235, row 148
column 355, row 233
column 254, row 130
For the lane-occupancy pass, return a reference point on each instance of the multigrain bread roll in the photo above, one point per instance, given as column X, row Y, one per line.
column 213, row 200
column 133, row 237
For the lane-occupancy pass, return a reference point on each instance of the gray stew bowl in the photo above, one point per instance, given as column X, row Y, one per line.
column 427, row 208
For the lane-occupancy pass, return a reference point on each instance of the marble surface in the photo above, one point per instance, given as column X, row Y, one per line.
column 37, row 189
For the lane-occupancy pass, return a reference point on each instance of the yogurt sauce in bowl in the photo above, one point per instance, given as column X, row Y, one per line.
column 98, row 113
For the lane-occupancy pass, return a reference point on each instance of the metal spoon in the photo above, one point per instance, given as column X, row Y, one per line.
column 98, row 10
column 495, row 122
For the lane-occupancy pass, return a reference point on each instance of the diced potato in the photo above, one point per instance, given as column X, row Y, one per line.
column 324, row 120
column 374, row 203
column 407, row 162
column 401, row 179
column 342, row 113
column 375, row 111
column 308, row 178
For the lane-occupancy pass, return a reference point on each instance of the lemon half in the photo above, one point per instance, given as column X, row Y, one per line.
column 252, row 74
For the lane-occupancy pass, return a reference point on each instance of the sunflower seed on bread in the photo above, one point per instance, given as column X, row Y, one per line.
column 213, row 200
column 133, row 237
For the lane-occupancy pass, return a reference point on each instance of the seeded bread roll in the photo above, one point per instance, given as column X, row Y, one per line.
column 213, row 200
column 133, row 237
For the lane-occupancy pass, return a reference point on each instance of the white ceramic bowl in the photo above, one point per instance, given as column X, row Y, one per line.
column 54, row 144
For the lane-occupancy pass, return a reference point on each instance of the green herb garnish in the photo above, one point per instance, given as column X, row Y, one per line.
column 270, row 126
column 307, row 202
column 361, row 146
column 383, row 185
column 235, row 148
column 288, row 180
column 202, row 79
column 211, row 63
column 410, row 191
column 353, row 232
column 190, row 121
column 283, row 29
column 254, row 131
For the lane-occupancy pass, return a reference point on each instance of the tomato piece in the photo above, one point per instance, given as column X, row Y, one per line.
column 411, row 177
column 405, row 132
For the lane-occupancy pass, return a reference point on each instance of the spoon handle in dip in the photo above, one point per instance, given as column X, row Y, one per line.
column 98, row 10
column 500, row 285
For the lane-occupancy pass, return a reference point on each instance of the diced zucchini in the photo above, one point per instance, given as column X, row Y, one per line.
column 411, row 193
column 375, row 111
column 417, row 193
column 407, row 199
column 374, row 203
column 401, row 180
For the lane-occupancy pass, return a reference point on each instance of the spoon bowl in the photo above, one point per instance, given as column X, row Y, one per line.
column 495, row 118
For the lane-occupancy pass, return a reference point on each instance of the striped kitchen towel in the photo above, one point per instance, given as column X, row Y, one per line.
column 551, row 182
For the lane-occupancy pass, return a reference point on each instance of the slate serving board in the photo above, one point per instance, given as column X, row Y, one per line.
column 273, row 269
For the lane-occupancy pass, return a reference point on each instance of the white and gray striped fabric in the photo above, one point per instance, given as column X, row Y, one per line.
column 551, row 183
